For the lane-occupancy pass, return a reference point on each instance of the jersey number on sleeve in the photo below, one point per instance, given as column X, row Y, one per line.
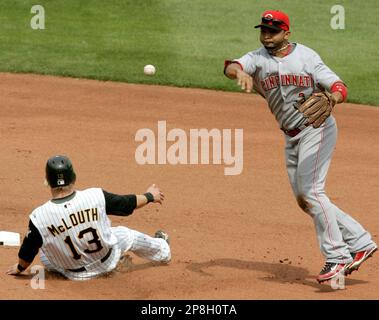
column 95, row 240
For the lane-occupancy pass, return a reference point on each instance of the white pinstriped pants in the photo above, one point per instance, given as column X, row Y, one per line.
column 144, row 246
column 308, row 157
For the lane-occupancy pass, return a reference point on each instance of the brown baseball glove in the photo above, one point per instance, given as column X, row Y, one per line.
column 317, row 108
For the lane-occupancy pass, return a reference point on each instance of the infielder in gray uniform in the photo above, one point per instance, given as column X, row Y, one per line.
column 301, row 92
column 75, row 234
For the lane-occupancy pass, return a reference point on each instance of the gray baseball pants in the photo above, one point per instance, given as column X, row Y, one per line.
column 308, row 157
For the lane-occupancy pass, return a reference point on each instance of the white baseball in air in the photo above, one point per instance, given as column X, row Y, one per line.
column 149, row 70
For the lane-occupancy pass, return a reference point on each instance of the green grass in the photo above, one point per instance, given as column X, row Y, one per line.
column 187, row 40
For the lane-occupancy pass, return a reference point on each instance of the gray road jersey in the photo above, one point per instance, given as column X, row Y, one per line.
column 282, row 81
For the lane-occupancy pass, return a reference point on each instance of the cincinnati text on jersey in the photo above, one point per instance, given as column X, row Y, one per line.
column 273, row 81
column 79, row 217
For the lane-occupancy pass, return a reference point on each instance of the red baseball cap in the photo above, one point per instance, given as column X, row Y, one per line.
column 275, row 19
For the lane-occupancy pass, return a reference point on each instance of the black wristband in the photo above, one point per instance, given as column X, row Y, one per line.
column 149, row 197
column 20, row 268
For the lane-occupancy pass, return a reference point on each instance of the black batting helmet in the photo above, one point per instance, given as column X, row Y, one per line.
column 59, row 172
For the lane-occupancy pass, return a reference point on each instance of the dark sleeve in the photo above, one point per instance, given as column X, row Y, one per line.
column 31, row 244
column 119, row 205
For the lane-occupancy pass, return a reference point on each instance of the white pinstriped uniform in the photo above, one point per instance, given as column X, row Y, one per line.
column 281, row 81
column 77, row 232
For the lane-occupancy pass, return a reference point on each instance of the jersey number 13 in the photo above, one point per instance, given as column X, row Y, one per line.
column 95, row 240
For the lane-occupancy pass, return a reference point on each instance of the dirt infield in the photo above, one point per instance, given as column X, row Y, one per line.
column 233, row 237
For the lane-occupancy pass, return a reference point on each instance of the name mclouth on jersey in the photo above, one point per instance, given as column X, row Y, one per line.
column 74, row 219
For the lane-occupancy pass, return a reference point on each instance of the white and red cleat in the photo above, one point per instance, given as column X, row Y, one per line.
column 359, row 258
column 331, row 270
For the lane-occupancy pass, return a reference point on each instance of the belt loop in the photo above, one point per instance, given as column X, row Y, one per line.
column 294, row 132
column 102, row 260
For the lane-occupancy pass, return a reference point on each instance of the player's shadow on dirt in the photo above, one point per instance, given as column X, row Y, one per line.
column 274, row 272
column 140, row 266
column 47, row 275
column 123, row 266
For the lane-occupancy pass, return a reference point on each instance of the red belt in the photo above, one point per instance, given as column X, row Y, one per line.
column 294, row 132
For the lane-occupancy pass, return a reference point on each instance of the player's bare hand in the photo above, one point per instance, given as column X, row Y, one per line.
column 157, row 193
column 13, row 270
column 244, row 80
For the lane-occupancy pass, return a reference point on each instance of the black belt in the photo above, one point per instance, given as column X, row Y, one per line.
column 294, row 132
column 105, row 258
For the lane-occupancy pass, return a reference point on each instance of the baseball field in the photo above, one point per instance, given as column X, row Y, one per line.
column 77, row 87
